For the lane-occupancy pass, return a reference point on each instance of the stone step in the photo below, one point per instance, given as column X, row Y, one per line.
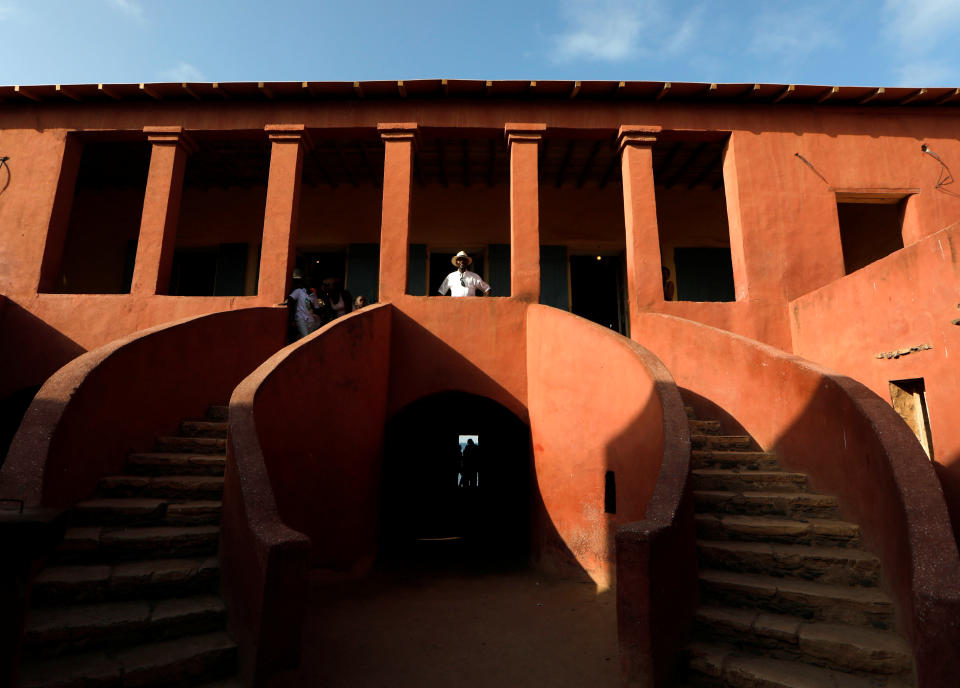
column 791, row 504
column 713, row 664
column 204, row 428
column 219, row 412
column 144, row 511
column 79, row 628
column 835, row 646
column 856, row 606
column 704, row 427
column 183, row 487
column 171, row 463
column 737, row 459
column 833, row 565
column 820, row 532
column 128, row 580
column 184, row 661
column 195, row 445
column 720, row 479
column 727, row 442
column 88, row 545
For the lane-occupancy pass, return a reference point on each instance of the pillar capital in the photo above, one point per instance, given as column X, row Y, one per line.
column 289, row 133
column 637, row 135
column 170, row 136
column 399, row 131
column 523, row 132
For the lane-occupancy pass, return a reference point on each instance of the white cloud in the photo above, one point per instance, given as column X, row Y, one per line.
column 130, row 7
column 930, row 73
column 183, row 71
column 916, row 27
column 792, row 33
column 615, row 30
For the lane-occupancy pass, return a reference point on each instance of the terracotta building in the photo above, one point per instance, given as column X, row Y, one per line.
column 716, row 369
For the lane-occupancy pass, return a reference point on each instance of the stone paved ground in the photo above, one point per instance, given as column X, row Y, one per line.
column 419, row 627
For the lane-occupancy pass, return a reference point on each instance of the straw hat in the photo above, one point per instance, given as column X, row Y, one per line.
column 462, row 254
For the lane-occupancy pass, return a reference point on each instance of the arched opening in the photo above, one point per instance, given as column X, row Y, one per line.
column 456, row 483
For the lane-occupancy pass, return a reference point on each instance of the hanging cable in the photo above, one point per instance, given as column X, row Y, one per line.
column 815, row 170
column 3, row 163
column 945, row 177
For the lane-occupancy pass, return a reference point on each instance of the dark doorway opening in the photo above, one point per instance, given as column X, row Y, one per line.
column 704, row 274
column 429, row 513
column 596, row 290
column 319, row 265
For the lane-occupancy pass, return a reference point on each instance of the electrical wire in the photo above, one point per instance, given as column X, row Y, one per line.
column 815, row 170
column 3, row 163
column 946, row 176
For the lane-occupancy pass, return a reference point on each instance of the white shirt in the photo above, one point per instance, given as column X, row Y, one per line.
column 465, row 284
column 305, row 303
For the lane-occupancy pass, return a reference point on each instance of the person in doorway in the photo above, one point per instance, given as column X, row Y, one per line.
column 471, row 462
column 667, row 283
column 462, row 282
column 304, row 306
column 339, row 301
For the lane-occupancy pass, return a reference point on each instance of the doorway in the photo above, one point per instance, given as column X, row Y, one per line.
column 441, row 266
column 596, row 290
column 450, row 503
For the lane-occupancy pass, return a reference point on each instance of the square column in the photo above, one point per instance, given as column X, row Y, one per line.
column 282, row 211
column 169, row 147
column 399, row 141
column 644, row 279
column 523, row 140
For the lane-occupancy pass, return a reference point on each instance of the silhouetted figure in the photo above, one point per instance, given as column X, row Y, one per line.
column 667, row 284
column 304, row 306
column 338, row 300
column 471, row 463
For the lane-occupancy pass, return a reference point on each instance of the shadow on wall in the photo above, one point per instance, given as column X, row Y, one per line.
column 31, row 351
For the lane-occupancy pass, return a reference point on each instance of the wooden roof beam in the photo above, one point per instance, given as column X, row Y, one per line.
column 667, row 159
column 588, row 163
column 442, row 163
column 189, row 90
column 949, row 96
column 785, row 93
column 365, row 161
column 686, row 165
column 26, row 93
column 664, row 91
column 401, row 89
column 912, row 97
column 68, row 92
column 417, row 173
column 488, row 88
column 563, row 164
column 265, row 90
column 108, row 91
column 609, row 171
column 575, row 90
column 870, row 96
column 465, row 149
column 358, row 89
column 706, row 171
column 150, row 91
column 491, row 169
column 346, row 166
column 220, row 90
column 445, row 86
column 829, row 93
column 324, row 172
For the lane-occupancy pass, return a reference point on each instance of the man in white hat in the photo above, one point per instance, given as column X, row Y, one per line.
column 462, row 282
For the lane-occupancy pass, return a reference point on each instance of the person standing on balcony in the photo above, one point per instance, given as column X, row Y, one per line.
column 462, row 282
column 304, row 304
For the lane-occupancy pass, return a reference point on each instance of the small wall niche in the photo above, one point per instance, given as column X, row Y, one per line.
column 871, row 226
column 909, row 400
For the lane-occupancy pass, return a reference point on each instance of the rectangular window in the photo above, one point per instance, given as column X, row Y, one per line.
column 871, row 227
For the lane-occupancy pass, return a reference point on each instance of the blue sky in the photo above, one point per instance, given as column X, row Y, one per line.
column 854, row 42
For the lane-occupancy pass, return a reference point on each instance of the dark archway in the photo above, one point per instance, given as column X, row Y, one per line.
column 430, row 511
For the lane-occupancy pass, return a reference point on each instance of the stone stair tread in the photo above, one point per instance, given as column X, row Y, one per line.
column 188, row 427
column 141, row 569
column 842, row 646
column 772, row 585
column 812, row 497
column 172, row 481
column 784, row 551
column 131, row 504
column 85, row 538
column 752, row 474
column 735, row 453
column 200, row 445
column 780, row 523
column 743, row 670
column 53, row 624
column 218, row 412
column 176, row 458
column 704, row 427
column 167, row 661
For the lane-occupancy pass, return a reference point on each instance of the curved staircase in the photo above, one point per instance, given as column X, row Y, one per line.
column 788, row 597
column 131, row 596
